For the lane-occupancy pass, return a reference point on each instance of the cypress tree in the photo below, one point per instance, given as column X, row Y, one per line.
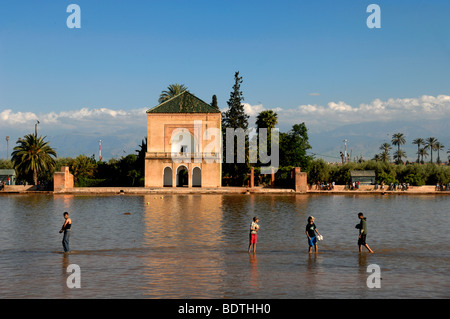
column 234, row 118
column 214, row 102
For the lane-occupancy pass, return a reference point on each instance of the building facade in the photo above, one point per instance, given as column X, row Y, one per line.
column 183, row 144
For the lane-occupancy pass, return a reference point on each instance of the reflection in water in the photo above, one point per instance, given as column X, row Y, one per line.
column 195, row 246
column 254, row 275
column 192, row 237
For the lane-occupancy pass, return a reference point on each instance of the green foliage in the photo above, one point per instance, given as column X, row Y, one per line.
column 386, row 178
column 6, row 164
column 416, row 180
column 319, row 171
column 33, row 157
column 293, row 147
column 283, row 177
column 83, row 167
column 415, row 174
column 235, row 118
column 214, row 102
column 172, row 90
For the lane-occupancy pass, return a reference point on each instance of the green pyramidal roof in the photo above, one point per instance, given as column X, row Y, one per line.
column 184, row 102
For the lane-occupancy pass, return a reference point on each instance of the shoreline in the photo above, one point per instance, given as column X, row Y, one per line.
column 339, row 190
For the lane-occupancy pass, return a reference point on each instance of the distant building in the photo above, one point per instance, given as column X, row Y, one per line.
column 364, row 177
column 8, row 176
column 183, row 144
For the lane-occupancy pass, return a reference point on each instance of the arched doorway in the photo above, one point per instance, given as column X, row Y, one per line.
column 182, row 176
column 167, row 177
column 196, row 177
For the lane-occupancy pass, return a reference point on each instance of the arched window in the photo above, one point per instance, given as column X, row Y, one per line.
column 167, row 177
column 196, row 177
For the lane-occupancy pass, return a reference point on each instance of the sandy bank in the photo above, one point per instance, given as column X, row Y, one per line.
column 339, row 189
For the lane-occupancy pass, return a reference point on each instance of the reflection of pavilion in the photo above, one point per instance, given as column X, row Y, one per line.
column 183, row 144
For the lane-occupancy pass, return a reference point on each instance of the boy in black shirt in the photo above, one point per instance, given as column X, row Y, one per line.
column 311, row 231
column 66, row 229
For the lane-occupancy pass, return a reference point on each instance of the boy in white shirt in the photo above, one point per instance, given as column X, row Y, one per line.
column 253, row 234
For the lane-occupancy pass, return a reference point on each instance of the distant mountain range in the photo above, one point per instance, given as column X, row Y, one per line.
column 364, row 139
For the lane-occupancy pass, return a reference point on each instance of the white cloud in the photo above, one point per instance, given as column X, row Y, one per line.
column 8, row 117
column 339, row 113
column 253, row 110
column 329, row 116
column 76, row 132
column 85, row 120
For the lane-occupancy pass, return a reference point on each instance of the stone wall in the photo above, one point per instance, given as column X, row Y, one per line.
column 63, row 180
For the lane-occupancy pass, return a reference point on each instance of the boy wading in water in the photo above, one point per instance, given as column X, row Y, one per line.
column 66, row 229
column 253, row 234
column 311, row 231
column 362, row 226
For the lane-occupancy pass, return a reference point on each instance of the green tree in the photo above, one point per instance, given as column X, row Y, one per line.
column 6, row 164
column 172, row 90
column 33, row 155
column 235, row 117
column 439, row 146
column 423, row 153
column 214, row 102
column 129, row 171
column 318, row 171
column 419, row 142
column 399, row 139
column 83, row 168
column 398, row 155
column 266, row 120
column 141, row 156
column 232, row 119
column 385, row 148
column 431, row 145
column 293, row 147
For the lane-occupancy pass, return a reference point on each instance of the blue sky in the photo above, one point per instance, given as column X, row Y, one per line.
column 295, row 56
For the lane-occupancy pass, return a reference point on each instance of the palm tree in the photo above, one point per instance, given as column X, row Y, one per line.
column 385, row 147
column 398, row 155
column 376, row 158
column 439, row 146
column 399, row 139
column 172, row 90
column 33, row 155
column 448, row 152
column 419, row 142
column 423, row 153
column 83, row 167
column 431, row 144
column 266, row 120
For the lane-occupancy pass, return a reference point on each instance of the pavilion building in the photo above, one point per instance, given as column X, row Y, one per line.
column 183, row 144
